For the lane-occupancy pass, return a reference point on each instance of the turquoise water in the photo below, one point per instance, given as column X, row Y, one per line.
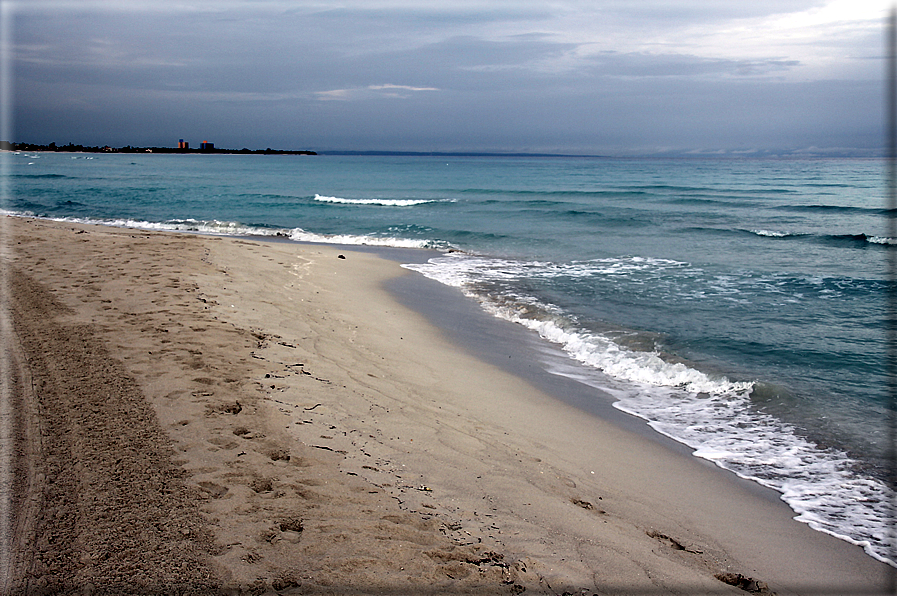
column 736, row 305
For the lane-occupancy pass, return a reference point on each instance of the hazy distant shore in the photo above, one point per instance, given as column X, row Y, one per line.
column 72, row 148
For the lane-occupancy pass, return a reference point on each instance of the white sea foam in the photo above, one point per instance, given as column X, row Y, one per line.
column 819, row 485
column 301, row 235
column 771, row 233
column 709, row 413
column 621, row 363
column 213, row 227
column 592, row 349
column 230, row 228
column 380, row 202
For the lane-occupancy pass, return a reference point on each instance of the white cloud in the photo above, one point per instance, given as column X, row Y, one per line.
column 827, row 38
column 401, row 87
column 370, row 92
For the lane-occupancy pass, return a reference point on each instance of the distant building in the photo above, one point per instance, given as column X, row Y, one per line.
column 182, row 144
column 206, row 146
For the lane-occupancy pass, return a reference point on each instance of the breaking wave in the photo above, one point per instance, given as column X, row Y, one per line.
column 379, row 202
column 707, row 412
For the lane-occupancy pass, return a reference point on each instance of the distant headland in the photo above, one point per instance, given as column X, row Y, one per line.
column 183, row 147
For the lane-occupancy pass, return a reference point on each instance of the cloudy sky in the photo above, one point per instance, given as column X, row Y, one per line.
column 592, row 76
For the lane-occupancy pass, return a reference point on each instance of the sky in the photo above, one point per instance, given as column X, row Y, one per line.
column 600, row 77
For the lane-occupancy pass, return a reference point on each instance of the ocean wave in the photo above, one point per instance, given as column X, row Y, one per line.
column 606, row 355
column 833, row 209
column 845, row 239
column 40, row 176
column 857, row 239
column 818, row 484
column 712, row 200
column 379, row 202
column 231, row 228
column 300, row 235
column 545, row 195
column 595, row 350
column 646, row 280
column 881, row 240
column 212, row 227
column 710, row 413
column 772, row 233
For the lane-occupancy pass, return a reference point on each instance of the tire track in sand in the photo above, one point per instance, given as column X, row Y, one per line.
column 113, row 513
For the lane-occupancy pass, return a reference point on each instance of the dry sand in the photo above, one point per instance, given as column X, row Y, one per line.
column 188, row 414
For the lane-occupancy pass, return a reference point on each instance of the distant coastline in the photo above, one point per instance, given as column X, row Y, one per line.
column 72, row 148
column 209, row 148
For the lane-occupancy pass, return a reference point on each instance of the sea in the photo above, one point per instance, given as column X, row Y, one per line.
column 736, row 305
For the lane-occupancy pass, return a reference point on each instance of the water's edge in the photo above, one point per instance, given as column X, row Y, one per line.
column 521, row 352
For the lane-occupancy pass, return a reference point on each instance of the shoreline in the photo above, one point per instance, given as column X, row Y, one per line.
column 516, row 350
column 333, row 439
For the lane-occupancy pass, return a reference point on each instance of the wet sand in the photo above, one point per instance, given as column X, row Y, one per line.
column 197, row 414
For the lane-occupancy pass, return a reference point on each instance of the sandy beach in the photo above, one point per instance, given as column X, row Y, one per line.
column 195, row 414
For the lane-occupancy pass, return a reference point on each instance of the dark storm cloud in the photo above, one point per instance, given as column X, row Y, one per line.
column 578, row 76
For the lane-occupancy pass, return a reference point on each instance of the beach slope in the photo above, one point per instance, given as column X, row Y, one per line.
column 222, row 415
